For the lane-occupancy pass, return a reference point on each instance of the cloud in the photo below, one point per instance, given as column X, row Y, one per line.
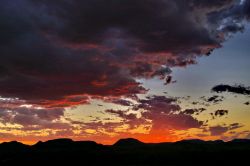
column 157, row 115
column 159, row 104
column 165, row 114
column 220, row 130
column 122, row 114
column 51, row 51
column 215, row 99
column 237, row 89
column 168, row 80
column 32, row 118
column 248, row 136
column 235, row 126
column 193, row 111
column 221, row 112
column 247, row 103
column 121, row 102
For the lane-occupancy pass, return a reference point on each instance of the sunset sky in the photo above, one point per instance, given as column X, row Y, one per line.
column 101, row 70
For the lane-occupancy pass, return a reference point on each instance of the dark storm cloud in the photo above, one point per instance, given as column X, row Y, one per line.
column 236, row 89
column 210, row 3
column 39, row 70
column 53, row 51
column 149, row 22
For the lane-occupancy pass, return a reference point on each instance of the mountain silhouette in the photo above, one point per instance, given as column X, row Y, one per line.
column 240, row 141
column 128, row 142
column 195, row 141
column 126, row 152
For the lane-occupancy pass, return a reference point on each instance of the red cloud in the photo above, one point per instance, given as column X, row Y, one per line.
column 98, row 52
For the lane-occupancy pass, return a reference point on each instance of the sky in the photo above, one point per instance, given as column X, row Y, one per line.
column 154, row 70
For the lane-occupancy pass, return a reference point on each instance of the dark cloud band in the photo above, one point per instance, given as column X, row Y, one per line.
column 53, row 51
column 236, row 89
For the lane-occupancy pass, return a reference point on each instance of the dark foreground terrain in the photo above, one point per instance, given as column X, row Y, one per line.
column 126, row 152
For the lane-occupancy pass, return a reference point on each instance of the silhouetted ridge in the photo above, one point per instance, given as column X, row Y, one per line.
column 66, row 144
column 126, row 152
column 55, row 143
column 240, row 141
column 13, row 145
column 128, row 142
column 195, row 141
column 12, row 149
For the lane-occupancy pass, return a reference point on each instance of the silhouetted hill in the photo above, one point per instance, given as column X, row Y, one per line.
column 192, row 141
column 128, row 142
column 240, row 141
column 126, row 152
column 55, row 143
column 198, row 141
column 67, row 145
column 13, row 145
